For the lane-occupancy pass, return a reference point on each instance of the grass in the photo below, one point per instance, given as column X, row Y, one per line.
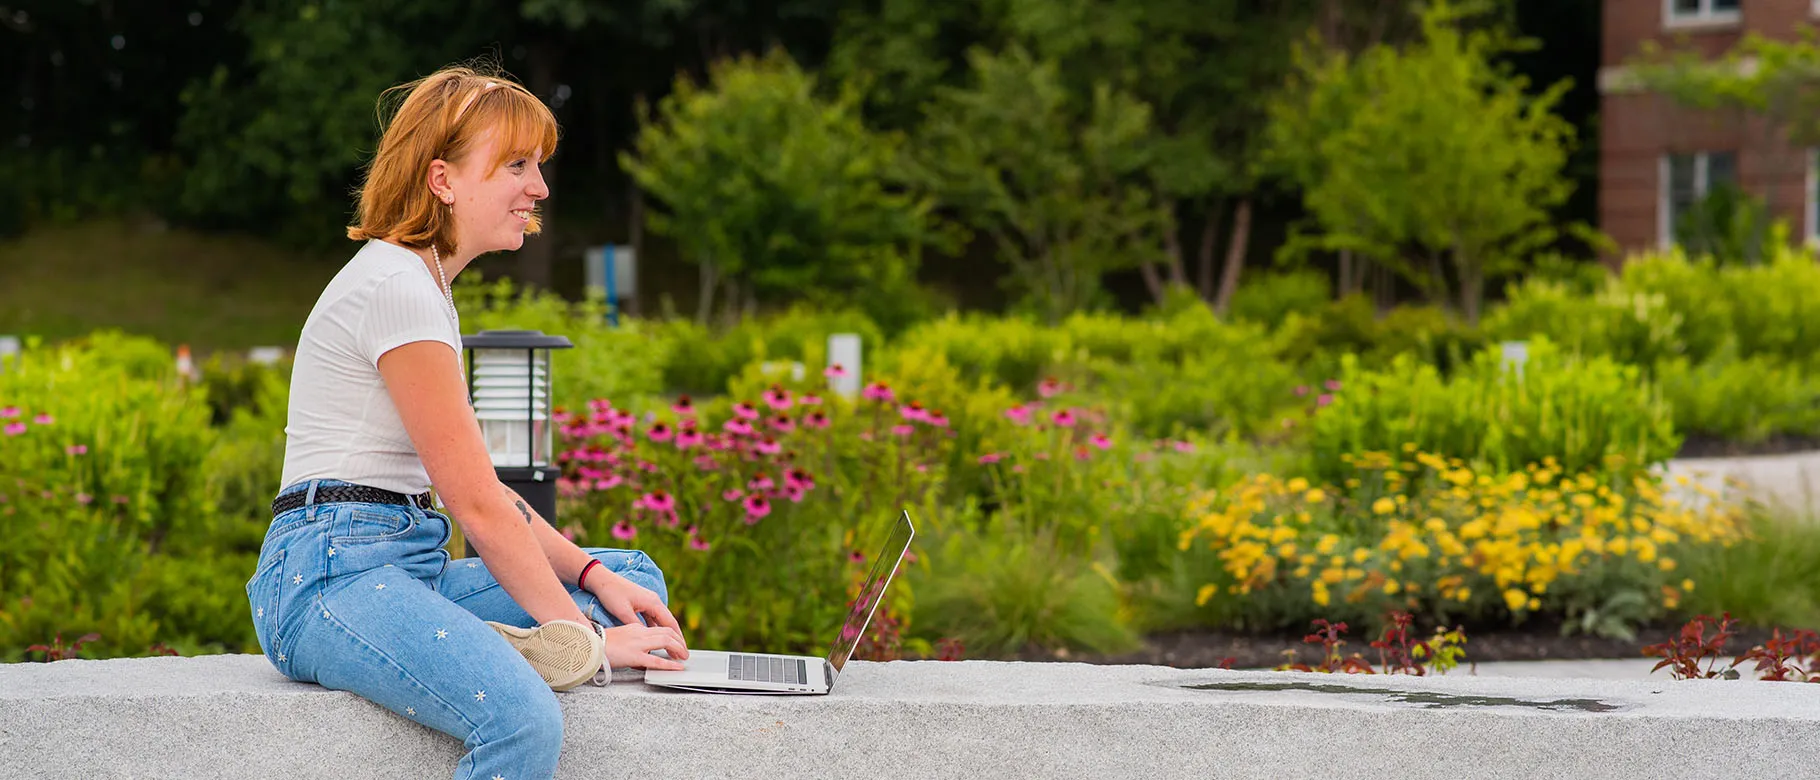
column 211, row 292
column 1770, row 579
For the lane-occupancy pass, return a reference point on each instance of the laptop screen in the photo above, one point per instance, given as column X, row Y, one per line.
column 883, row 567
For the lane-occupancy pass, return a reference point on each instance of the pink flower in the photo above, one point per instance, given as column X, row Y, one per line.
column 9, row 412
column 1183, row 446
column 44, row 419
column 1301, row 390
column 991, row 458
column 756, row 508
column 760, row 483
column 937, row 419
column 782, row 424
column 14, row 429
column 683, row 406
column 1063, row 419
column 798, row 478
column 570, row 531
column 1081, row 453
column 856, row 556
column 738, row 427
column 1049, row 387
column 1019, row 414
column 76, row 449
column 732, row 494
column 913, row 412
column 624, row 530
column 777, row 398
column 903, row 430
column 697, row 543
column 878, row 391
column 608, row 482
column 835, row 371
column 688, row 439
column 560, row 415
column 816, row 420
column 706, row 463
column 599, row 405
column 657, row 501
column 119, row 499
column 768, row 447
column 809, row 400
column 660, row 432
column 794, row 493
column 1323, row 400
column 1332, row 385
column 84, row 499
column 745, row 411
column 1100, row 440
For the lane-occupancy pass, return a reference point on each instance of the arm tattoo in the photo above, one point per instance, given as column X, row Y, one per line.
column 523, row 511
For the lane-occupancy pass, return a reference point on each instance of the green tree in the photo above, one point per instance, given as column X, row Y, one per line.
column 1050, row 176
column 1429, row 158
column 776, row 193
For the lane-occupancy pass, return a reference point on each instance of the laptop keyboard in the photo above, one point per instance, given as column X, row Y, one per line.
column 765, row 668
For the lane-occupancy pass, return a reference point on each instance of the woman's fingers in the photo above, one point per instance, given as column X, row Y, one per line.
column 632, row 645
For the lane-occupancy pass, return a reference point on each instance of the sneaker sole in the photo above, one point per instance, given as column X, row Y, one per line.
column 564, row 653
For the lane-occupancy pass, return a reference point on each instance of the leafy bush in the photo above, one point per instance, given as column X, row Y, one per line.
column 606, row 362
column 1586, row 413
column 702, row 360
column 1269, row 298
column 1744, row 401
column 1428, row 534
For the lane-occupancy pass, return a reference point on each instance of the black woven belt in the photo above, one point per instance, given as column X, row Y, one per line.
column 348, row 493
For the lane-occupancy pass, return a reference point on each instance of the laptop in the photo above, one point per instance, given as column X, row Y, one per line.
column 710, row 671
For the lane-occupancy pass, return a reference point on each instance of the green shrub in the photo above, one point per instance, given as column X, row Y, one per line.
column 702, row 361
column 1269, row 298
column 1744, row 401
column 1585, row 413
column 606, row 361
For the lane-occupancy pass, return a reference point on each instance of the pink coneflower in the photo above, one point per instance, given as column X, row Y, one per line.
column 1100, row 440
column 624, row 530
column 599, row 405
column 683, row 406
column 1323, row 400
column 1301, row 390
column 609, row 482
column 922, row 468
column 1063, row 418
column 660, row 432
column 738, row 427
column 794, row 493
column 835, row 371
column 1042, row 456
column 732, row 494
column 746, row 411
column 856, row 556
column 1082, row 453
column 937, row 419
column 1019, row 414
column 1183, row 446
column 14, row 429
column 76, row 449
column 760, row 483
column 756, row 508
column 816, row 420
column 560, row 415
column 991, row 458
column 1049, row 387
column 589, row 472
column 878, row 391
column 902, row 430
column 697, row 543
column 913, row 411
column 799, row 478
column 688, row 440
column 43, row 419
column 809, row 400
column 706, row 463
column 1332, row 385
column 568, row 488
column 8, row 413
column 777, row 398
column 767, row 447
column 570, row 531
column 782, row 424
column 84, row 499
column 657, row 501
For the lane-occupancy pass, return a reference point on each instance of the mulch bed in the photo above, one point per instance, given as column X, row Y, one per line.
column 1204, row 649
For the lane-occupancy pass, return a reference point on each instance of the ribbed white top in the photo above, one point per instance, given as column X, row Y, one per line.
column 341, row 423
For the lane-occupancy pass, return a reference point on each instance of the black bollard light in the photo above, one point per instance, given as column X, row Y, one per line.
column 509, row 384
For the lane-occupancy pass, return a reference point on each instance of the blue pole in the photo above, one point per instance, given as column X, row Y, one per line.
column 612, row 292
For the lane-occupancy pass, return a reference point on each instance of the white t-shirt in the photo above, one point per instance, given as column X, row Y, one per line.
column 341, row 423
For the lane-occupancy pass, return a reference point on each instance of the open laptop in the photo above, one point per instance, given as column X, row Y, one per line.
column 712, row 671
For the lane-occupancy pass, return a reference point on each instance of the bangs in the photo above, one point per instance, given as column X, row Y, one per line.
column 524, row 124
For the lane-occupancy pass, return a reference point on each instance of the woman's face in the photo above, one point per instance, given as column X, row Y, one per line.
column 493, row 203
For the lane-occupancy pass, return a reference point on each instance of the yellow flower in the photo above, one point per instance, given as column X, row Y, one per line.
column 1327, row 543
column 1296, row 485
column 1687, row 584
column 1361, row 555
column 1535, row 604
column 1286, row 550
column 1667, row 564
column 1315, row 496
column 1205, row 594
column 1391, row 587
column 1383, row 506
column 1320, row 594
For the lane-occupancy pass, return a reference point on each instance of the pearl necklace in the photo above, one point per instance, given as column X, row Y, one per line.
column 447, row 291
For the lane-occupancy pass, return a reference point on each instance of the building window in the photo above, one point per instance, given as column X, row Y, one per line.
column 1686, row 180
column 1703, row 11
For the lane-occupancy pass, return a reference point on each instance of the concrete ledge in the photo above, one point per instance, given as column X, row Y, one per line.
column 233, row 716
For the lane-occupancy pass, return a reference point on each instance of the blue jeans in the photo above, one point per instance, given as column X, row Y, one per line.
column 364, row 598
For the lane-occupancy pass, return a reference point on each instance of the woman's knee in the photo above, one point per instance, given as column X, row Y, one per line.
column 536, row 724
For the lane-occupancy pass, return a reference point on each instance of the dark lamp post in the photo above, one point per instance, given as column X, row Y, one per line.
column 509, row 384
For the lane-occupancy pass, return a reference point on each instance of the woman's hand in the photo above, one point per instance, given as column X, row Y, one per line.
column 631, row 645
column 627, row 601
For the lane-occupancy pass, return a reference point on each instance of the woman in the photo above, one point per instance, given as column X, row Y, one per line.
column 354, row 589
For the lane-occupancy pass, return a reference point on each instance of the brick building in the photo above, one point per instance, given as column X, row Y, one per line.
column 1656, row 159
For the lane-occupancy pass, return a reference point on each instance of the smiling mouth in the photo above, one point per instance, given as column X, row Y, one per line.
column 524, row 215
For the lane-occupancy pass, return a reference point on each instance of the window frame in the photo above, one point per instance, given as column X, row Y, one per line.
column 1706, row 14
column 1702, row 160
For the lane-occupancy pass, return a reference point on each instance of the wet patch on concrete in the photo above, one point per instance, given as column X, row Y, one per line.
column 1423, row 699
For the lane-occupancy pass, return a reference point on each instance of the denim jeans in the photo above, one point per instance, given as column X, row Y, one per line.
column 364, row 598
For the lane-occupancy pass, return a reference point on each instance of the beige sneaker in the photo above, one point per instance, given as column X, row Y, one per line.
column 564, row 653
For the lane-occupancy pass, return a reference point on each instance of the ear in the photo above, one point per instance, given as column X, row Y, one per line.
column 438, row 181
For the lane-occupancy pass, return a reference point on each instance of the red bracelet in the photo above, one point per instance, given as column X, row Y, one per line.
column 581, row 581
